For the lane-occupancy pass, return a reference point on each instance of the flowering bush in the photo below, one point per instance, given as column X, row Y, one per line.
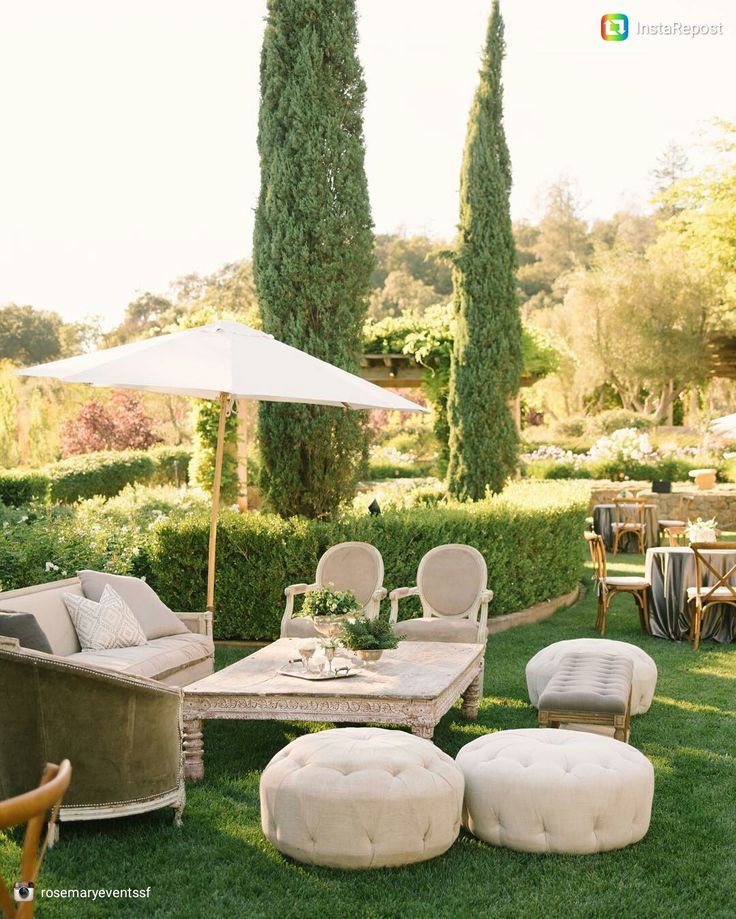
column 622, row 446
column 627, row 453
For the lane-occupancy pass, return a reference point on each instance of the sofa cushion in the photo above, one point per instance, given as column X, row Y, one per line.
column 156, row 619
column 24, row 627
column 46, row 603
column 107, row 624
column 156, row 659
column 460, row 630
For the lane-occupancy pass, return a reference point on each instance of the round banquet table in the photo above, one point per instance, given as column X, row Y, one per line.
column 671, row 570
column 604, row 516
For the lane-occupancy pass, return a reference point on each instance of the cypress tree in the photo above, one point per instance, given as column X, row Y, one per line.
column 486, row 357
column 313, row 243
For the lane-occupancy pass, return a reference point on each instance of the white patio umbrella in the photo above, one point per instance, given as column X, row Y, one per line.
column 724, row 426
column 224, row 361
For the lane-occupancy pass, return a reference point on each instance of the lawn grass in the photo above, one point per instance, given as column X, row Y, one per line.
column 220, row 865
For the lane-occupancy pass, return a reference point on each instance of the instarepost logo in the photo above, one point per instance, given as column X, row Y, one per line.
column 614, row 27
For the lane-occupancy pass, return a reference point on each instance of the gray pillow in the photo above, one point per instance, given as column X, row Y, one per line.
column 24, row 627
column 156, row 619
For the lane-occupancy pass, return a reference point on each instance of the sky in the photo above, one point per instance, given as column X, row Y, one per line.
column 128, row 155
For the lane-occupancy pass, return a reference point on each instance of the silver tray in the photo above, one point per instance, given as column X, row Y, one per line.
column 298, row 671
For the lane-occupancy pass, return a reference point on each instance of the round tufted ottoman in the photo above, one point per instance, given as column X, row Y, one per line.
column 537, row 790
column 542, row 667
column 361, row 798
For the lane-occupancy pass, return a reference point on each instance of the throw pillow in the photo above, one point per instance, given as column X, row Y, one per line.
column 156, row 619
column 104, row 625
column 24, row 627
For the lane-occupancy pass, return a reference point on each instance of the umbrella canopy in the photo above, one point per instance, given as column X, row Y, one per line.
column 725, row 426
column 225, row 361
column 225, row 357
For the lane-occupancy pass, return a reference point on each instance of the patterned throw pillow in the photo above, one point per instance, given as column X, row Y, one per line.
column 107, row 624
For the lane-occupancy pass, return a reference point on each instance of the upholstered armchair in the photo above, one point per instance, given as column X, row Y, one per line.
column 122, row 733
column 355, row 566
column 451, row 585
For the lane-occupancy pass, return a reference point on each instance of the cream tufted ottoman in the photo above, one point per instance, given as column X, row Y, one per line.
column 361, row 798
column 545, row 663
column 537, row 790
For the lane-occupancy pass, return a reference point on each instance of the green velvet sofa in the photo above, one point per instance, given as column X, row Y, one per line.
column 122, row 733
column 115, row 714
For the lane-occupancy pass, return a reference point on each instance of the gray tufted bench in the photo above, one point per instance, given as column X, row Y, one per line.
column 589, row 689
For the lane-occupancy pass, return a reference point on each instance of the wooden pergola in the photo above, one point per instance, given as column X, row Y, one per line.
column 400, row 371
column 721, row 350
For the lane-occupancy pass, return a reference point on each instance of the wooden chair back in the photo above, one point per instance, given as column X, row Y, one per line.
column 31, row 808
column 703, row 565
column 598, row 554
column 676, row 536
column 630, row 512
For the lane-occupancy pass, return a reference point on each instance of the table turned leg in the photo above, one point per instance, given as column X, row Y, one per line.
column 471, row 698
column 424, row 730
column 193, row 750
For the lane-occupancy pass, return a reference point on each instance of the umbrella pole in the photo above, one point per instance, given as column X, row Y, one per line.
column 224, row 399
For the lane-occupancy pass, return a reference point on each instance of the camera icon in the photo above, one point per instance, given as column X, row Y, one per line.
column 23, row 891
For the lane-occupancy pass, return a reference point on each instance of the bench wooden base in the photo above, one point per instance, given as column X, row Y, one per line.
column 621, row 724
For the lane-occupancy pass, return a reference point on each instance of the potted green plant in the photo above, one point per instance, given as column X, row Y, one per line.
column 329, row 609
column 369, row 638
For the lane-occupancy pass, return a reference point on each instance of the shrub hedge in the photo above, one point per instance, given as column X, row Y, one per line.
column 23, row 486
column 529, row 535
column 90, row 474
column 671, row 469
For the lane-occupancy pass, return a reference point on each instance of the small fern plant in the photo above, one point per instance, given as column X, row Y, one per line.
column 369, row 635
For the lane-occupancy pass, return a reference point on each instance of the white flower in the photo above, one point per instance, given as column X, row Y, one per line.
column 624, row 444
column 135, row 551
column 50, row 566
column 23, row 518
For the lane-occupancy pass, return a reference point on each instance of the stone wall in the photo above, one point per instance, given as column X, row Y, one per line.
column 718, row 502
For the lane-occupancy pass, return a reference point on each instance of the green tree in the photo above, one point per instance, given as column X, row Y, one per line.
column 202, row 465
column 552, row 249
column 8, row 416
column 312, row 244
column 672, row 166
column 28, row 335
column 639, row 323
column 486, row 356
column 704, row 220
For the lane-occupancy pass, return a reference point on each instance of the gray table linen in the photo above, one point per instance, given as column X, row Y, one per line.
column 604, row 516
column 671, row 570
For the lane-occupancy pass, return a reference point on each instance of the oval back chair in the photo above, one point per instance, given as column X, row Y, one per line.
column 452, row 586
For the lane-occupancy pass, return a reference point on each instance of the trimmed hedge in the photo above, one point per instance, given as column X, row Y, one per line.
column 91, row 474
column 529, row 535
column 19, row 487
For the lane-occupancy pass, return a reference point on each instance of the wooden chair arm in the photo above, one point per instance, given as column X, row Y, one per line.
column 485, row 598
column 290, row 593
column 380, row 594
column 294, row 589
column 198, row 623
column 399, row 594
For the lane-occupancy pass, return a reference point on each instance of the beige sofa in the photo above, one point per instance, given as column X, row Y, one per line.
column 175, row 660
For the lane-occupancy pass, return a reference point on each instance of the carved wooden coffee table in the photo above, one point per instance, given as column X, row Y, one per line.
column 415, row 685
